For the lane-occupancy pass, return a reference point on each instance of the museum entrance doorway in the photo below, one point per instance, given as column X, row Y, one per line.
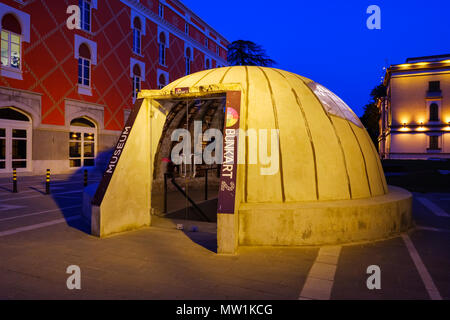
column 187, row 163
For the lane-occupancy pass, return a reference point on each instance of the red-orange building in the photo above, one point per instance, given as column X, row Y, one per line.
column 67, row 84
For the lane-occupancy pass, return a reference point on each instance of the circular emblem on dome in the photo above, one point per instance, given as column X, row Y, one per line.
column 232, row 117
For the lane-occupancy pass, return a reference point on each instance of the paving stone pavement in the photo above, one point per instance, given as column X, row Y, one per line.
column 161, row 262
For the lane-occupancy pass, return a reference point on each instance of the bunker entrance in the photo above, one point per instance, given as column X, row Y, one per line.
column 187, row 174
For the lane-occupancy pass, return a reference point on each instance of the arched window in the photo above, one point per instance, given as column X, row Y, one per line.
column 12, row 114
column 161, row 81
column 162, row 49
column 82, row 143
column 11, row 42
column 136, row 81
column 84, row 65
column 15, row 140
column 85, row 10
column 137, row 29
column 434, row 112
column 188, row 61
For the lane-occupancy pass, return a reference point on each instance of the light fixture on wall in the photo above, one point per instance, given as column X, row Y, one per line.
column 404, row 124
column 421, row 124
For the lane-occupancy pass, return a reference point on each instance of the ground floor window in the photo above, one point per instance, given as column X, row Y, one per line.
column 15, row 140
column 82, row 143
column 434, row 143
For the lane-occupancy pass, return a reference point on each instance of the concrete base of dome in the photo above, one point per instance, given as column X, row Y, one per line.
column 326, row 222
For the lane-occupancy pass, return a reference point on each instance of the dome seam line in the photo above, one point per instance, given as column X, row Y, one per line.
column 364, row 158
column 277, row 126
column 337, row 136
column 308, row 130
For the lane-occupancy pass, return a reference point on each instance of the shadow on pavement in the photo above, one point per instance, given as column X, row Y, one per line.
column 76, row 182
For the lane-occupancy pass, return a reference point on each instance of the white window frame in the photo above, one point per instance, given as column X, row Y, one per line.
column 10, row 34
column 162, row 54
column 187, row 65
column 9, row 125
column 83, row 130
column 166, row 77
column 137, row 35
column 136, row 80
column 82, row 9
column 84, row 60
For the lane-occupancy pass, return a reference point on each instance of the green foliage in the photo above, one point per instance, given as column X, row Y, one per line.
column 371, row 117
column 248, row 53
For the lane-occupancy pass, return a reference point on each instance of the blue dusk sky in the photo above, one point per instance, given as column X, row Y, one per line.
column 328, row 40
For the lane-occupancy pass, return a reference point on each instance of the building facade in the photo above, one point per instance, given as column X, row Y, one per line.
column 71, row 70
column 415, row 114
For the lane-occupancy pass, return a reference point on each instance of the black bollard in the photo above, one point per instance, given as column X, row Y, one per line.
column 47, row 182
column 85, row 178
column 15, row 180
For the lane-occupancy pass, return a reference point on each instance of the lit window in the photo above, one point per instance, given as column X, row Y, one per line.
column 136, row 81
column 84, row 65
column 161, row 10
column 161, row 81
column 85, row 10
column 137, row 36
column 162, row 49
column 188, row 61
column 82, row 143
column 11, row 42
column 434, row 112
column 15, row 140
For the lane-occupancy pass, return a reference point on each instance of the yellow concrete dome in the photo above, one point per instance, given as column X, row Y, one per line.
column 324, row 151
column 328, row 188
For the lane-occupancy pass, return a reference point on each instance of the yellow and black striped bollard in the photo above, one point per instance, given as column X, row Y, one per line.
column 47, row 182
column 15, row 180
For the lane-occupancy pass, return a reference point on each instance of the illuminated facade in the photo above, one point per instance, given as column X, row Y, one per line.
column 65, row 93
column 415, row 114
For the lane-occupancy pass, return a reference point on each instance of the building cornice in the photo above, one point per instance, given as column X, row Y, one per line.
column 192, row 14
column 416, row 69
column 136, row 5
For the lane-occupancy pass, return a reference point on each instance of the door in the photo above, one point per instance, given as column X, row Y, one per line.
column 82, row 143
column 194, row 178
column 15, row 141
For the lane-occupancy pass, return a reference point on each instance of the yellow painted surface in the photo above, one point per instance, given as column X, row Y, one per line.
column 325, row 222
column 330, row 177
column 343, row 164
column 126, row 204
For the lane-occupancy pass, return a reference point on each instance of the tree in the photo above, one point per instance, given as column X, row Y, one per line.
column 371, row 117
column 247, row 53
